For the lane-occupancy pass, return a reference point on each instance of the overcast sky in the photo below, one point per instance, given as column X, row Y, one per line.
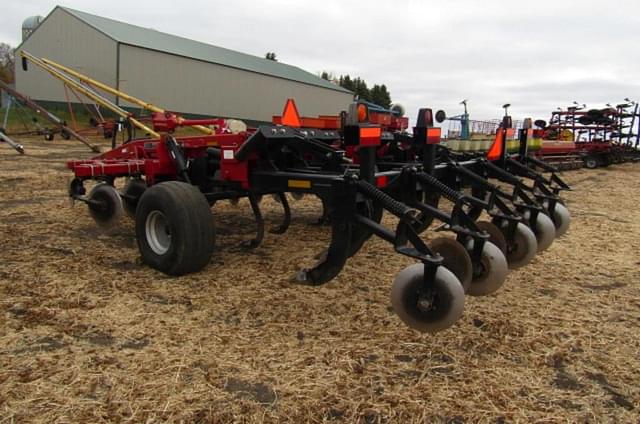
column 536, row 55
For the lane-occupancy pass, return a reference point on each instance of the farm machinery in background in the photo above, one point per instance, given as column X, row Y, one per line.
column 597, row 137
column 471, row 135
column 22, row 105
column 573, row 138
column 499, row 210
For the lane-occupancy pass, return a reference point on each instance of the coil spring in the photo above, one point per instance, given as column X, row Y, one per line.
column 392, row 205
column 449, row 193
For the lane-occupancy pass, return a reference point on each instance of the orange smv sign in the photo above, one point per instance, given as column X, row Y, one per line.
column 495, row 152
column 290, row 116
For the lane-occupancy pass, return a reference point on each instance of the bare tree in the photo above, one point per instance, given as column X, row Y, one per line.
column 7, row 63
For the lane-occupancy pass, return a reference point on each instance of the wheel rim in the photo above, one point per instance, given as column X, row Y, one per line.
column 158, row 232
column 427, row 309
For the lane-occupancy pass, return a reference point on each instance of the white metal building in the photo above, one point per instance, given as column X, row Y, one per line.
column 175, row 73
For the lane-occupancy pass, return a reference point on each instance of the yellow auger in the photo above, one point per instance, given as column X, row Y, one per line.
column 129, row 98
column 89, row 93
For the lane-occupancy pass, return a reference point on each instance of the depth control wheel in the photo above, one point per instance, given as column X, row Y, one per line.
column 489, row 275
column 174, row 228
column 561, row 219
column 591, row 162
column 545, row 232
column 105, row 205
column 495, row 235
column 455, row 258
column 427, row 309
column 131, row 195
column 523, row 248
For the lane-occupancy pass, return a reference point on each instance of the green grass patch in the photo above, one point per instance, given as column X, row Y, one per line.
column 19, row 119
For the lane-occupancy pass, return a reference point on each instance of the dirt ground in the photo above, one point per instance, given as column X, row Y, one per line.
column 88, row 334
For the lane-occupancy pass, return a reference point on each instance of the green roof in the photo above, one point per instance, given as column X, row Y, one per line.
column 155, row 40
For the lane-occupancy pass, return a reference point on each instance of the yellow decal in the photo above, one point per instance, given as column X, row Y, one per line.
column 299, row 183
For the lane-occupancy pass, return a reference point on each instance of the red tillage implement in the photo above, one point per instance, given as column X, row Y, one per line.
column 172, row 182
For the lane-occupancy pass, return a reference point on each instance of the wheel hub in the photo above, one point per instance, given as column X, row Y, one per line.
column 158, row 232
column 427, row 302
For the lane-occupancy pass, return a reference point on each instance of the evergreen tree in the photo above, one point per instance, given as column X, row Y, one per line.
column 378, row 94
column 346, row 82
column 361, row 89
column 271, row 56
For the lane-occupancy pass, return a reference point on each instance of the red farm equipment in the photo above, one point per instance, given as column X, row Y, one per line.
column 359, row 170
column 21, row 103
column 596, row 137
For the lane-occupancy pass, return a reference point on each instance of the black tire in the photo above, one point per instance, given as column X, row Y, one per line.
column 65, row 135
column 131, row 195
column 591, row 162
column 174, row 228
column 48, row 136
column 604, row 160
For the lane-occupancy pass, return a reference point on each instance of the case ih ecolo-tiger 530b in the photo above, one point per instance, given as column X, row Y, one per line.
column 174, row 181
column 360, row 165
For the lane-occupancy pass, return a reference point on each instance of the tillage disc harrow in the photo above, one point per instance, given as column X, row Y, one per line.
column 360, row 169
